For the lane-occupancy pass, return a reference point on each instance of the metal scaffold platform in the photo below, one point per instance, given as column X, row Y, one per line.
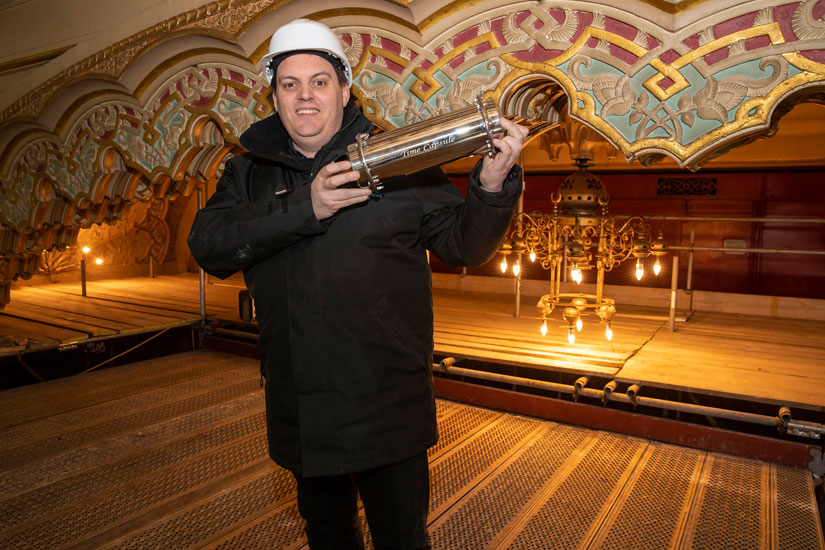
column 171, row 453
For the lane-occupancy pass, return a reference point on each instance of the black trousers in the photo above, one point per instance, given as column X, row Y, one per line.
column 396, row 502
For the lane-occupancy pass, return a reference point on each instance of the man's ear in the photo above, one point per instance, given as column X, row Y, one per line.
column 345, row 94
column 274, row 101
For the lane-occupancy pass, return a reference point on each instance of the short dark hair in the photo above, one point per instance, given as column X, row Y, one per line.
column 336, row 63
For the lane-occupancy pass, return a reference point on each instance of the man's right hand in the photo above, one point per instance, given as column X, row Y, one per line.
column 327, row 195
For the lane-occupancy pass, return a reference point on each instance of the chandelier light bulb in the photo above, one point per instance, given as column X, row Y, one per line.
column 608, row 332
column 657, row 267
column 532, row 255
column 516, row 268
column 579, row 324
column 571, row 336
column 99, row 261
column 86, row 249
column 503, row 265
column 544, row 328
column 640, row 269
column 576, row 274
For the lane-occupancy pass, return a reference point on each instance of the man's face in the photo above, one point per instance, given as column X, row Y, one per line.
column 310, row 100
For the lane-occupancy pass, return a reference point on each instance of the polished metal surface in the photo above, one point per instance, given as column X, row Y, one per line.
column 427, row 143
column 171, row 453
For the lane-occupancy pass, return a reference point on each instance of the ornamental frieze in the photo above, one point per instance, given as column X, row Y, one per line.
column 647, row 91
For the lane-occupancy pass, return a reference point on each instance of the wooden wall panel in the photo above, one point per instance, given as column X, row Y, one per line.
column 784, row 193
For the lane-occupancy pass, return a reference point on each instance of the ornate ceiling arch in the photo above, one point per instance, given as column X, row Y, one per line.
column 154, row 115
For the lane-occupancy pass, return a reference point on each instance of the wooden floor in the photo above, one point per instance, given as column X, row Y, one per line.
column 768, row 360
column 171, row 454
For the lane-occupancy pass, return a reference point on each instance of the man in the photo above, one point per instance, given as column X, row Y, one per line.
column 342, row 290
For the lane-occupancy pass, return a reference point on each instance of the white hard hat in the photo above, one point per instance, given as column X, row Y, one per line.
column 305, row 35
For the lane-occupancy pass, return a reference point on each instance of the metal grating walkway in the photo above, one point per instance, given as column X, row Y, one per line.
column 171, row 453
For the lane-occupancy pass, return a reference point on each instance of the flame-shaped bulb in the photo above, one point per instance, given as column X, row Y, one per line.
column 544, row 328
column 571, row 336
column 657, row 267
column 516, row 268
column 640, row 269
column 503, row 265
column 608, row 332
column 576, row 274
column 532, row 255
column 579, row 324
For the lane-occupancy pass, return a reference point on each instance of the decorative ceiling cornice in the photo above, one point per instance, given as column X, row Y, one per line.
column 36, row 59
column 227, row 20
column 223, row 19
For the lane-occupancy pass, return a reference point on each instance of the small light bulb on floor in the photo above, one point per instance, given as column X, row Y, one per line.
column 579, row 324
column 571, row 336
column 657, row 267
column 640, row 269
column 544, row 328
column 608, row 333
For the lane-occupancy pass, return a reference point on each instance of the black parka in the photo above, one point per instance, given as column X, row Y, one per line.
column 344, row 305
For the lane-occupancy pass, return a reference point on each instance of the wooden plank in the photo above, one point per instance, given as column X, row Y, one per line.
column 631, row 337
column 747, row 354
column 534, row 358
column 468, row 352
column 171, row 302
column 795, row 331
column 725, row 349
column 550, row 353
column 746, row 365
column 66, row 320
column 134, row 306
column 785, row 389
column 729, row 366
column 140, row 316
column 30, row 310
column 163, row 290
column 39, row 335
column 776, row 334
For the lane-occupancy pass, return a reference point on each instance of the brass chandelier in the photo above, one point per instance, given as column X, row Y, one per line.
column 580, row 236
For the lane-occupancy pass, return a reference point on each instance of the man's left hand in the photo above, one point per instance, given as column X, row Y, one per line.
column 495, row 169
